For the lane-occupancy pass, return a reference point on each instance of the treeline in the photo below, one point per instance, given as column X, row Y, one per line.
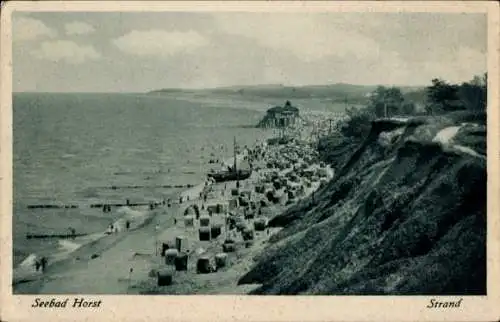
column 439, row 98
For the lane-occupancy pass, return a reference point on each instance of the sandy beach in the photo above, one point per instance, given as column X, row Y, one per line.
column 128, row 261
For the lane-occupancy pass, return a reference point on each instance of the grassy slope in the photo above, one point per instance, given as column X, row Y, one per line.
column 405, row 217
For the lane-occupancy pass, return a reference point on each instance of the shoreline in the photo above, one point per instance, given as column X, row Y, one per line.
column 26, row 279
column 98, row 257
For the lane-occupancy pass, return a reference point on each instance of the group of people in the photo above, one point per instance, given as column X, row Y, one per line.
column 41, row 264
column 114, row 229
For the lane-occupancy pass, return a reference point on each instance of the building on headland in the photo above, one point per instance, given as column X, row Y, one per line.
column 280, row 116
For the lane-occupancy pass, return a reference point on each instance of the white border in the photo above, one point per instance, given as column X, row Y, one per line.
column 254, row 308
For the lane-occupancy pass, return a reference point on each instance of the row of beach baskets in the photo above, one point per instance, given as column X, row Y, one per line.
column 178, row 261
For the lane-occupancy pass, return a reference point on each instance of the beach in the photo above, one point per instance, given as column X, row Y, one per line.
column 128, row 261
column 152, row 150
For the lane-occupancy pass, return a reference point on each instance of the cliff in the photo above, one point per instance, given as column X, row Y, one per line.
column 404, row 214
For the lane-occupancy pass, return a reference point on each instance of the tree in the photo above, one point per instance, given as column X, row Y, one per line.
column 442, row 96
column 408, row 108
column 386, row 101
column 474, row 93
column 359, row 123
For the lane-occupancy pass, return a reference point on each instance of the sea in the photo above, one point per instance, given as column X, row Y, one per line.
column 91, row 148
column 84, row 148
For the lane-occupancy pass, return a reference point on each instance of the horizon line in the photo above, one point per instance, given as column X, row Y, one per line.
column 215, row 88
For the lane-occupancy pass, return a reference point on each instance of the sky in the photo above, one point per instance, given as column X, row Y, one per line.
column 138, row 52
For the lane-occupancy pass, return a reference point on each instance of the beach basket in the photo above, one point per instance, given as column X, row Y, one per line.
column 164, row 277
column 181, row 262
column 246, row 193
column 220, row 260
column 248, row 233
column 204, row 233
column 321, row 172
column 229, row 247
column 170, row 255
column 212, row 209
column 244, row 201
column 215, row 230
column 260, row 224
column 189, row 211
column 165, row 246
column 248, row 243
column 205, row 221
column 240, row 224
column 263, row 203
column 181, row 243
column 233, row 204
column 260, row 189
column 271, row 196
column 222, row 208
column 235, row 192
column 189, row 221
column 203, row 265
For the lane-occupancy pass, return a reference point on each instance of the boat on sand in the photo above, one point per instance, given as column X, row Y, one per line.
column 232, row 173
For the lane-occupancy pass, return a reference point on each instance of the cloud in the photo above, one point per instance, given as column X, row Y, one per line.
column 309, row 37
column 461, row 65
column 64, row 50
column 78, row 28
column 157, row 42
column 25, row 28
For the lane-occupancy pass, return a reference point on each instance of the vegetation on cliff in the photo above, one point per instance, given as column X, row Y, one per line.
column 404, row 214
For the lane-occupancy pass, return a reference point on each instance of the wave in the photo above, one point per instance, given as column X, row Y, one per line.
column 68, row 246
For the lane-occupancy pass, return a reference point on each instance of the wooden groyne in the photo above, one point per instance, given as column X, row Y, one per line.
column 167, row 186
column 131, row 204
column 101, row 205
column 45, row 206
column 94, row 205
column 40, row 236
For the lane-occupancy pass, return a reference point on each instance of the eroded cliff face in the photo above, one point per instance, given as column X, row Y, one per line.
column 406, row 214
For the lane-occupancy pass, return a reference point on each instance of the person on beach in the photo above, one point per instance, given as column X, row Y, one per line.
column 43, row 263
column 127, row 225
column 73, row 232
